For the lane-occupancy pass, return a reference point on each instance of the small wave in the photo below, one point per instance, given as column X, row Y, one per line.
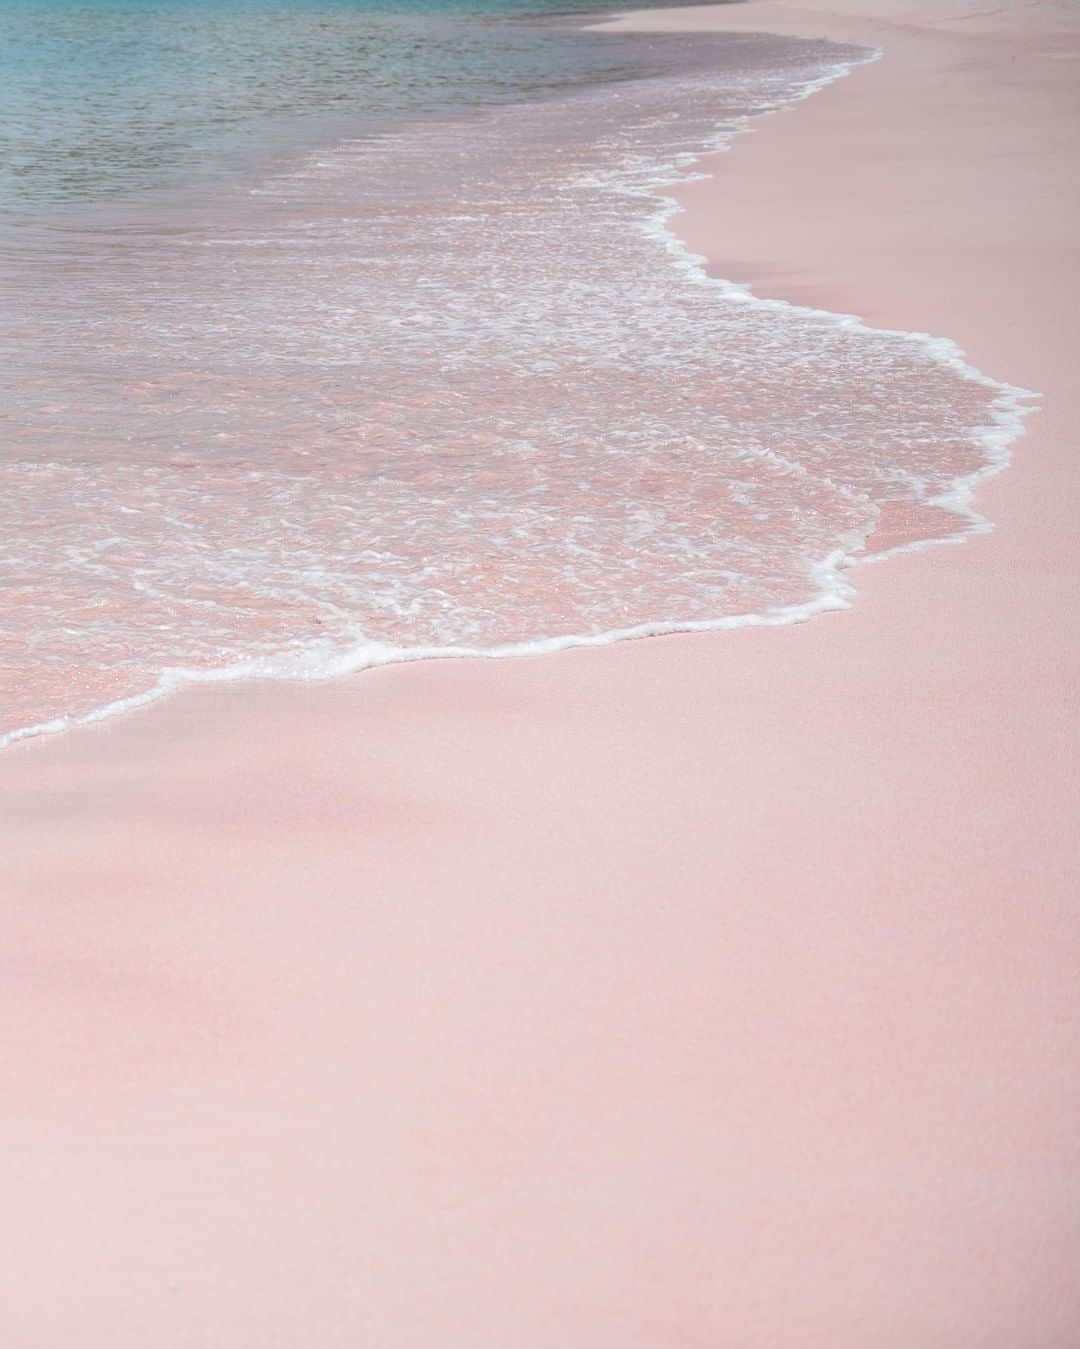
column 460, row 391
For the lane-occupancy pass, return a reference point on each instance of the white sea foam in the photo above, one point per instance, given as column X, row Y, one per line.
column 501, row 484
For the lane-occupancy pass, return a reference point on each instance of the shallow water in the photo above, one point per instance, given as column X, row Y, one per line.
column 313, row 389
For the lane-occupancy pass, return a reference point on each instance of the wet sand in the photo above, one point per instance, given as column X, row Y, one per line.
column 696, row 991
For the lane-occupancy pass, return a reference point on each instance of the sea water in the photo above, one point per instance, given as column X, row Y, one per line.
column 337, row 334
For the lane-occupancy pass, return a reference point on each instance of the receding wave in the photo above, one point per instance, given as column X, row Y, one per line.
column 453, row 388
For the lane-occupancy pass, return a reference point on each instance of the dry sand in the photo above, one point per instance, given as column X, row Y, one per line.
column 707, row 991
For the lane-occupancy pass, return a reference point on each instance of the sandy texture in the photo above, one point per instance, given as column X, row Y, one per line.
column 696, row 992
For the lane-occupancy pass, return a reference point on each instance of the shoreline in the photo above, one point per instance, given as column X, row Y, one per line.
column 1005, row 423
column 714, row 989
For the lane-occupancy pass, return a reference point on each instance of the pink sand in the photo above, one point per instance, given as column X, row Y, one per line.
column 707, row 991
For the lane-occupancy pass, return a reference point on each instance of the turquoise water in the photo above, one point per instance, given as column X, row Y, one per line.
column 98, row 99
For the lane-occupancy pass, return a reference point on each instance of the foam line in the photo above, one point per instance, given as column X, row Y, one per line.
column 1008, row 408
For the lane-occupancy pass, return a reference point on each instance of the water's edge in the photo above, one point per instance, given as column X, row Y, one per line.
column 1007, row 411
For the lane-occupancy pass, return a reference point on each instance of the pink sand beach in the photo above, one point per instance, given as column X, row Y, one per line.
column 709, row 990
